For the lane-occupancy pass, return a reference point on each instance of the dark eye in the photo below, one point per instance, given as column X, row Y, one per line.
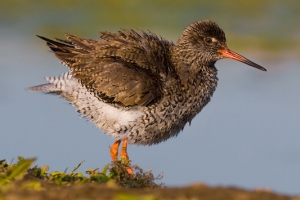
column 208, row 40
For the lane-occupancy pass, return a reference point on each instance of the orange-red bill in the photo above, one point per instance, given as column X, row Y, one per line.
column 227, row 53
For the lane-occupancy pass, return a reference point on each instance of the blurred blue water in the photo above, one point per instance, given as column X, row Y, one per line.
column 247, row 136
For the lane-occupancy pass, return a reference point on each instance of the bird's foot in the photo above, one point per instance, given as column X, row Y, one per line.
column 126, row 162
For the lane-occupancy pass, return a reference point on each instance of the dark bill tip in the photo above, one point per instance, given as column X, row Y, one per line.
column 227, row 53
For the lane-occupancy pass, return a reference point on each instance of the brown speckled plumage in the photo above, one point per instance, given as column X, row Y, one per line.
column 138, row 86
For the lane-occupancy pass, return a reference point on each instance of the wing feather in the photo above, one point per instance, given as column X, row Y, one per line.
column 126, row 68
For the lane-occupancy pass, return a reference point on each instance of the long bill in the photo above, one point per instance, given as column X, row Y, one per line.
column 227, row 53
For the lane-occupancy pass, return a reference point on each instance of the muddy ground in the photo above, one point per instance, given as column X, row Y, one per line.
column 113, row 191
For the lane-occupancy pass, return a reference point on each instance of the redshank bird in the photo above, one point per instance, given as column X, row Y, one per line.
column 136, row 86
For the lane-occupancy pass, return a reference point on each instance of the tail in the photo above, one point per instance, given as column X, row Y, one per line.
column 55, row 85
column 48, row 87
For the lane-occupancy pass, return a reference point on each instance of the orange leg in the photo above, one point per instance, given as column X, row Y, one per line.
column 125, row 156
column 114, row 153
column 124, row 150
column 114, row 150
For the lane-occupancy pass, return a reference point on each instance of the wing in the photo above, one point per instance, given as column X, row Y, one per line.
column 126, row 68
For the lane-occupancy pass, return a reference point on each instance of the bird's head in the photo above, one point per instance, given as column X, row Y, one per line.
column 205, row 42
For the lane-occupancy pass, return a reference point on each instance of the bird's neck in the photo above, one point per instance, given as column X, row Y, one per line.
column 190, row 68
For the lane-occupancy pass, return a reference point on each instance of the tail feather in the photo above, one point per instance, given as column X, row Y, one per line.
column 48, row 87
column 55, row 85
